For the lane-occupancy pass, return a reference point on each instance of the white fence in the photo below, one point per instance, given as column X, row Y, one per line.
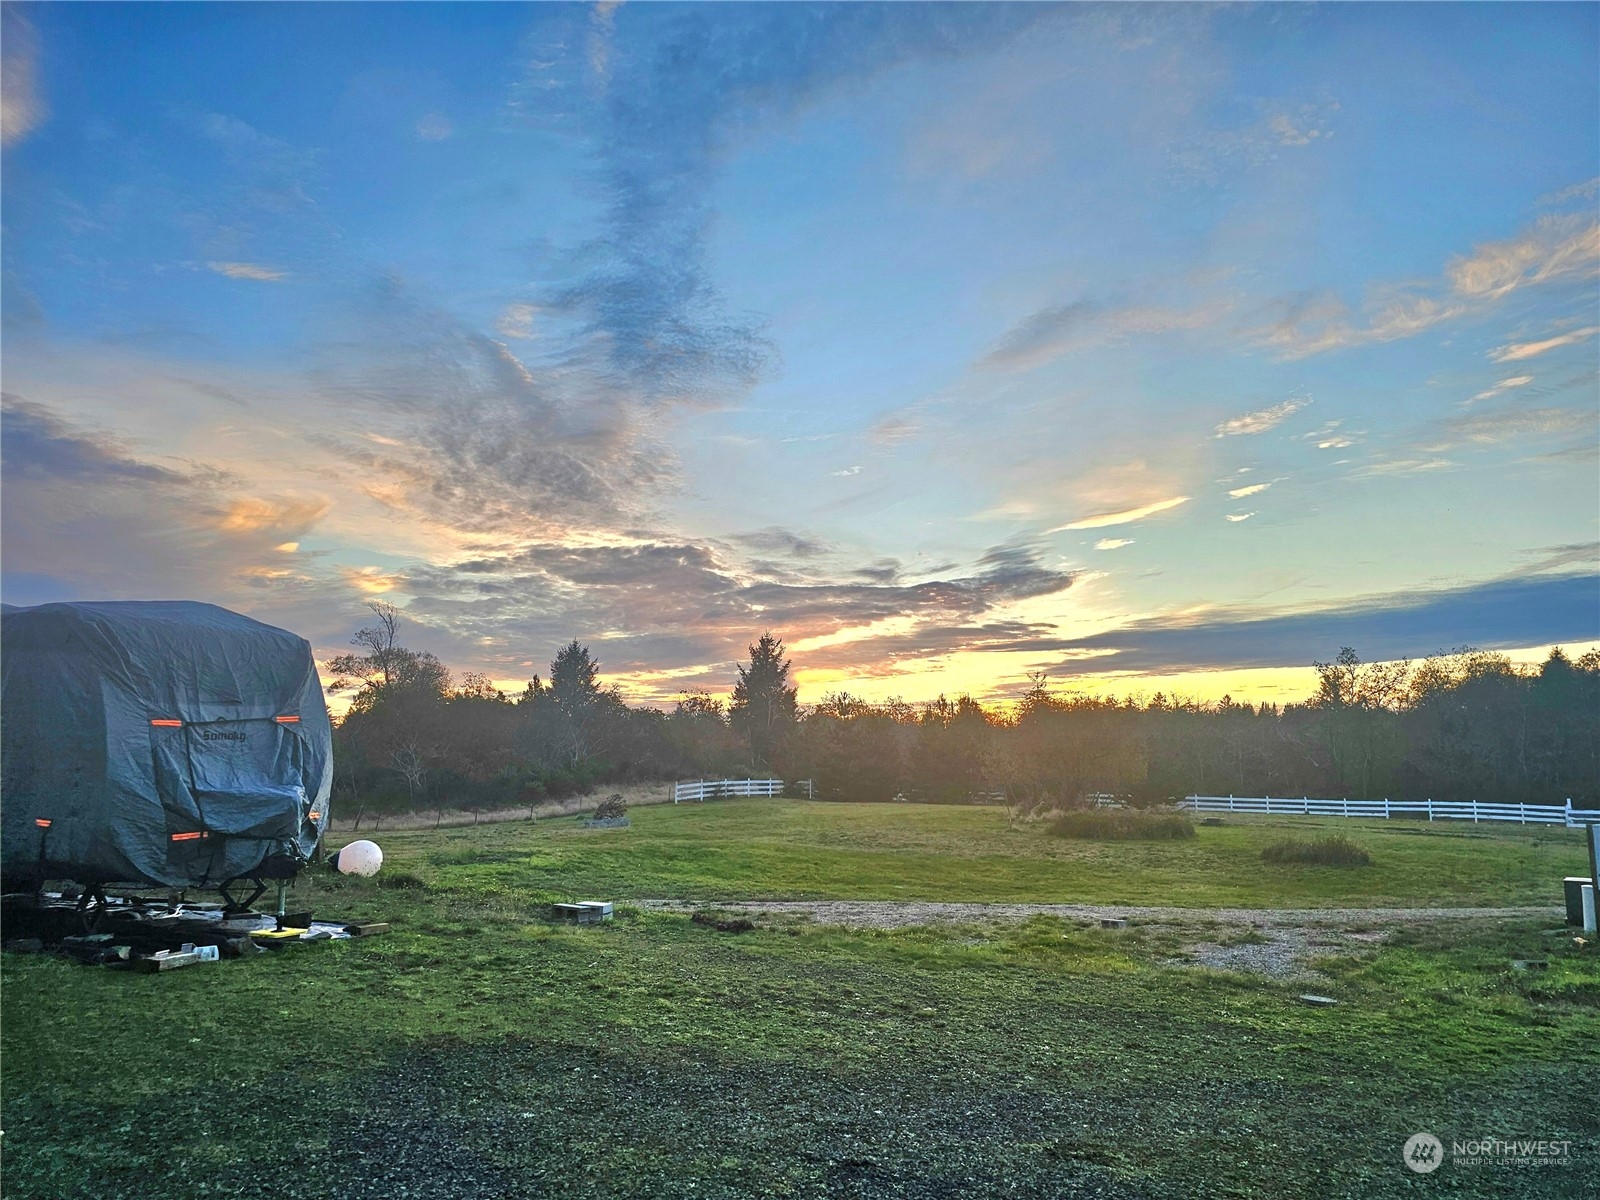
column 712, row 789
column 1434, row 810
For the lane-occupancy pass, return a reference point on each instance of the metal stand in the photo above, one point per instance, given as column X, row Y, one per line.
column 91, row 907
column 232, row 907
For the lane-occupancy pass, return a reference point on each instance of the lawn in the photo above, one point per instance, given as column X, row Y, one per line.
column 792, row 850
column 479, row 1050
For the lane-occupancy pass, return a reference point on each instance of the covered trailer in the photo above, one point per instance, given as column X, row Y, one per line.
column 164, row 743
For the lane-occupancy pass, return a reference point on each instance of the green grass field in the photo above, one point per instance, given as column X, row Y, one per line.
column 479, row 1050
column 791, row 850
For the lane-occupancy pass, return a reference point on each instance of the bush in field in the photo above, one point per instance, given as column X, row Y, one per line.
column 1123, row 825
column 1328, row 852
column 611, row 808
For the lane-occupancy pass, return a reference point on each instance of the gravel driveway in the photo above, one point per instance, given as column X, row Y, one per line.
column 897, row 914
column 1284, row 940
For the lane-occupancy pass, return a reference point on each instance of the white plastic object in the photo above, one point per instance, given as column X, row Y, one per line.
column 208, row 953
column 1588, row 908
column 360, row 858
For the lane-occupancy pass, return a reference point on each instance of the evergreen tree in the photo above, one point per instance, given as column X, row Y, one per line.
column 575, row 691
column 574, row 681
column 763, row 708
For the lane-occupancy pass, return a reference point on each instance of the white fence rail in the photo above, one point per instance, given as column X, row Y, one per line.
column 712, row 789
column 1433, row 810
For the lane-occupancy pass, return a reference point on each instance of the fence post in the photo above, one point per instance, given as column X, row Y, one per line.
column 1430, row 808
column 1386, row 808
column 1569, row 812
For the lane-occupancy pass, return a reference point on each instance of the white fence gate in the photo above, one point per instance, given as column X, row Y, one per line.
column 713, row 789
column 1434, row 810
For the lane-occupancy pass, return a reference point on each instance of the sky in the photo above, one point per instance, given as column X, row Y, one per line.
column 1153, row 348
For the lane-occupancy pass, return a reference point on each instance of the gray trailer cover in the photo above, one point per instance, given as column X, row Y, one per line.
column 158, row 742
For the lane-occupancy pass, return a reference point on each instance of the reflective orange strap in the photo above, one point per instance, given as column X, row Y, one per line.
column 42, row 822
column 189, row 837
column 167, row 722
column 287, row 720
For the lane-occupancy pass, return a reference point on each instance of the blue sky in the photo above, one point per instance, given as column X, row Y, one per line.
column 1153, row 347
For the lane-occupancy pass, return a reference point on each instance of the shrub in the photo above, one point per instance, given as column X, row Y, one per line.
column 611, row 808
column 1336, row 851
column 1123, row 825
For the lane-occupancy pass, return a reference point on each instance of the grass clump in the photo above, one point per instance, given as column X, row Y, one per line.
column 1335, row 851
column 1123, row 825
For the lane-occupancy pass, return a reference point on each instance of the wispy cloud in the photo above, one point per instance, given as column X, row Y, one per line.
column 1501, row 613
column 673, row 89
column 21, row 106
column 1113, row 543
column 275, row 515
column 1558, row 247
column 893, row 429
column 84, row 506
column 685, row 605
column 777, row 540
column 370, row 581
column 1549, row 558
column 36, row 442
column 1505, row 385
column 1578, row 191
column 245, row 270
column 1280, row 128
column 1262, row 419
column 471, row 438
column 1517, row 351
column 846, row 472
column 516, row 321
column 1240, row 516
column 1510, row 424
column 1249, row 490
column 1333, row 436
column 434, row 127
column 1051, row 332
column 1404, row 466
column 1123, row 517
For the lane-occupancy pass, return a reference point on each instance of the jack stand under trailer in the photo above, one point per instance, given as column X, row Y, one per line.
column 232, row 907
column 92, row 907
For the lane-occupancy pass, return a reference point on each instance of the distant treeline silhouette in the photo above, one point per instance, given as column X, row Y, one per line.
column 1464, row 725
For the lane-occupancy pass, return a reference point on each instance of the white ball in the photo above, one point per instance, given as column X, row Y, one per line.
column 360, row 858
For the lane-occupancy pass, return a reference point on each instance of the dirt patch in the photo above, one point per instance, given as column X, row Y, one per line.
column 898, row 914
column 1276, row 943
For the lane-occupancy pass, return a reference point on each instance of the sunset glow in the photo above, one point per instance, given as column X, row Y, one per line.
column 1159, row 349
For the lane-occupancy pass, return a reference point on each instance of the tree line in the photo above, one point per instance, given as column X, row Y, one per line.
column 1463, row 725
